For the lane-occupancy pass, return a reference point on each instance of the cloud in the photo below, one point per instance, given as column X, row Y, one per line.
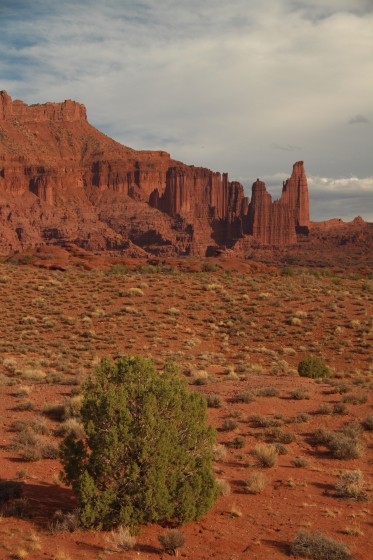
column 343, row 198
column 285, row 148
column 358, row 119
column 234, row 86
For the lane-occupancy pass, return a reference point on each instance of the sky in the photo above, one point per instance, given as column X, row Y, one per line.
column 246, row 87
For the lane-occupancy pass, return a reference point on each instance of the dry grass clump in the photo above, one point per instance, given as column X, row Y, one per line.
column 300, row 462
column 281, row 448
column 214, row 287
column 200, row 377
column 55, row 411
column 355, row 398
column 341, row 445
column 289, row 351
column 258, row 421
column 235, row 511
column 72, row 407
column 224, row 487
column 301, row 314
column 353, row 429
column 230, row 424
column 338, row 387
column 256, row 482
column 22, row 474
column 33, row 374
column 299, row 394
column 36, row 425
column 20, row 554
column 69, row 409
column 324, row 409
column 266, row 455
column 302, row 418
column 340, row 408
column 238, row 442
column 121, row 539
column 351, row 485
column 269, row 391
column 173, row 311
column 10, row 365
column 213, row 400
column 34, row 447
column 71, row 426
column 24, row 405
column 317, row 546
column 295, row 321
column 244, row 397
column 22, row 391
column 135, row 292
column 34, row 540
column 64, row 522
column 353, row 531
column 220, row 452
column 130, row 310
column 171, row 541
column 277, row 435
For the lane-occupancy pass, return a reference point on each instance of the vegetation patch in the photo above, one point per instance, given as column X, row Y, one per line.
column 314, row 367
column 341, row 445
column 147, row 454
column 317, row 546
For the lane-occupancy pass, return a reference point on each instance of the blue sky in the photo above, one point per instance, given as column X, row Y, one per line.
column 247, row 87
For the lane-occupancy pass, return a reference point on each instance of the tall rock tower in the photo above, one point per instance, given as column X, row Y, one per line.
column 295, row 195
column 278, row 222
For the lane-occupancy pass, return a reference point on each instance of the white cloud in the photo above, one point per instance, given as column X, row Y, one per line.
column 344, row 198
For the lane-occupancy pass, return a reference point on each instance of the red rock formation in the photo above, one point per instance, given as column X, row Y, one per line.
column 295, row 195
column 193, row 192
column 63, row 180
column 277, row 223
column 260, row 212
column 5, row 105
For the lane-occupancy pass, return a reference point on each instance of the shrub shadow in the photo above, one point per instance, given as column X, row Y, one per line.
column 45, row 499
column 279, row 545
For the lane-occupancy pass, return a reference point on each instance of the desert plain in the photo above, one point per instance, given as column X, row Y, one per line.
column 237, row 331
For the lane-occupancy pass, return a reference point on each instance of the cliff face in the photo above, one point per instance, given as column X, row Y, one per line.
column 295, row 196
column 277, row 223
column 62, row 180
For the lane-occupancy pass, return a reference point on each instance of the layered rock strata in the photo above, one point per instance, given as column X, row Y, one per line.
column 61, row 180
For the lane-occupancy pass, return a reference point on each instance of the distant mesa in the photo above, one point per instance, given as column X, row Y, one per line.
column 63, row 181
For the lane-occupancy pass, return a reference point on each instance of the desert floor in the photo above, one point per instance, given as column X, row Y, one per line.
column 237, row 331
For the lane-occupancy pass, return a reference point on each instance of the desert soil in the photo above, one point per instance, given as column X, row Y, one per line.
column 237, row 331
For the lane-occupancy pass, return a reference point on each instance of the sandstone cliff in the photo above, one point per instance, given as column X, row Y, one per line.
column 277, row 223
column 61, row 180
